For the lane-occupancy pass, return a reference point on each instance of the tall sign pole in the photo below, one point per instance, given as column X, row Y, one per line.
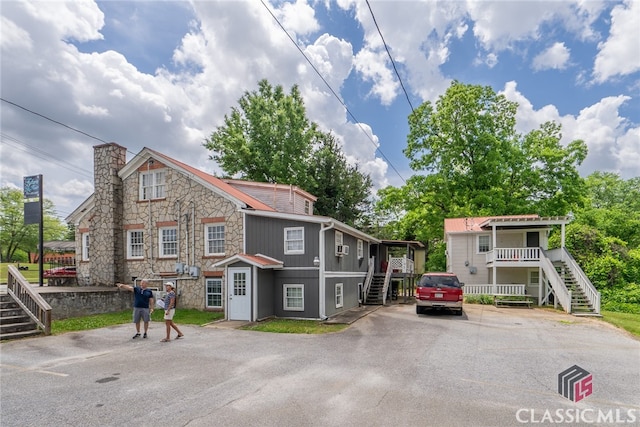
column 33, row 214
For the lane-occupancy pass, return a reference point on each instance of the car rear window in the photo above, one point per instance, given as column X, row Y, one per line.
column 439, row 281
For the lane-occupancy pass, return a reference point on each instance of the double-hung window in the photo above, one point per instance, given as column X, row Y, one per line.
column 360, row 249
column 484, row 243
column 214, row 293
column 168, row 242
column 294, row 240
column 214, row 239
column 293, row 297
column 339, row 239
column 135, row 244
column 152, row 185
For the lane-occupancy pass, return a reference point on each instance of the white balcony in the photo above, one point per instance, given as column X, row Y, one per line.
column 513, row 257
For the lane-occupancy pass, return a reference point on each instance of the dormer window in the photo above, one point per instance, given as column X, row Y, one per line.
column 152, row 185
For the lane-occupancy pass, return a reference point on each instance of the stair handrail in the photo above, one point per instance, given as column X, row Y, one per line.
column 31, row 302
column 387, row 280
column 590, row 291
column 368, row 279
column 562, row 293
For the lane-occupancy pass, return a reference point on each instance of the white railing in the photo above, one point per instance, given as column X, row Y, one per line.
column 368, row 279
column 385, row 287
column 498, row 289
column 581, row 278
column 513, row 254
column 562, row 294
column 400, row 265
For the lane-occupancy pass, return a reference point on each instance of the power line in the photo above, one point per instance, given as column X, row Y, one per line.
column 333, row 92
column 52, row 120
column 389, row 54
column 37, row 152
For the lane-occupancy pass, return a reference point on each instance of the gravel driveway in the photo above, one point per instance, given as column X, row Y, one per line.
column 489, row 367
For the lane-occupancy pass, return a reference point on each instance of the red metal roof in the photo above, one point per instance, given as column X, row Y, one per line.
column 473, row 224
column 217, row 182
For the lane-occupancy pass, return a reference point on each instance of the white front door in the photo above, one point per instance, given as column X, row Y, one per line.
column 239, row 288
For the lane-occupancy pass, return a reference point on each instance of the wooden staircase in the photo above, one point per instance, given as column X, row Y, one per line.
column 14, row 322
column 580, row 304
column 375, row 290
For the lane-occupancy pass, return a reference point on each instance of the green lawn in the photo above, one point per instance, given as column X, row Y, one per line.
column 627, row 321
column 32, row 274
column 182, row 317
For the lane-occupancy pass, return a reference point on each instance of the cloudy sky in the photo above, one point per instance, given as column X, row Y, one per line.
column 163, row 74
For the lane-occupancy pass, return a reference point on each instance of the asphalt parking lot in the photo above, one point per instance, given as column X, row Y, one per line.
column 489, row 367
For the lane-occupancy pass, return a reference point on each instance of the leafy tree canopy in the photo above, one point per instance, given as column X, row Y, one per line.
column 471, row 161
column 268, row 138
column 14, row 235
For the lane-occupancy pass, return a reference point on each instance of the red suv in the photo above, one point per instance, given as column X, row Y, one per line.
column 439, row 290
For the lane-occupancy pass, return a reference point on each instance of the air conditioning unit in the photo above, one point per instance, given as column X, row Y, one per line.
column 342, row 250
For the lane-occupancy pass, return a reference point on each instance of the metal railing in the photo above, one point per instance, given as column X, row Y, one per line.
column 29, row 300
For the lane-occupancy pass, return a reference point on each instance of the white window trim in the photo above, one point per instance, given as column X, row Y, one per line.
column 293, row 251
column 154, row 186
column 211, row 279
column 339, row 239
column 339, row 295
column 161, row 253
column 478, row 243
column 360, row 248
column 206, row 239
column 86, row 242
column 129, row 251
column 284, row 297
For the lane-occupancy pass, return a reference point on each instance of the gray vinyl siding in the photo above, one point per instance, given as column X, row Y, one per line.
column 266, row 290
column 349, row 294
column 308, row 278
column 266, row 236
column 345, row 262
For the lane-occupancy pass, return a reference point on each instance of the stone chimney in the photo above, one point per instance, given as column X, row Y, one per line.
column 107, row 248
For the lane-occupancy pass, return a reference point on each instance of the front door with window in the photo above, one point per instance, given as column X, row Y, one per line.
column 239, row 289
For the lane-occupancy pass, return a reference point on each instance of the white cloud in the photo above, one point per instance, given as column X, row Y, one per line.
column 620, row 53
column 612, row 142
column 555, row 56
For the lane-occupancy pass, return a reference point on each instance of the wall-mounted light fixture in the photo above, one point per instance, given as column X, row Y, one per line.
column 316, row 261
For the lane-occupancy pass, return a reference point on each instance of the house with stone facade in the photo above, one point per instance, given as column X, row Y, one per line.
column 254, row 250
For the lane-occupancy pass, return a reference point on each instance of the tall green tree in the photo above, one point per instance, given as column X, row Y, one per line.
column 268, row 138
column 470, row 161
column 14, row 235
column 343, row 191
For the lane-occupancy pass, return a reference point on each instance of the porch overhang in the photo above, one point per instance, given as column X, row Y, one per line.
column 258, row 260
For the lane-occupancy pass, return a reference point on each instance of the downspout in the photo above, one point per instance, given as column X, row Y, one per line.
column 179, row 228
column 193, row 233
column 321, row 270
column 151, row 258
